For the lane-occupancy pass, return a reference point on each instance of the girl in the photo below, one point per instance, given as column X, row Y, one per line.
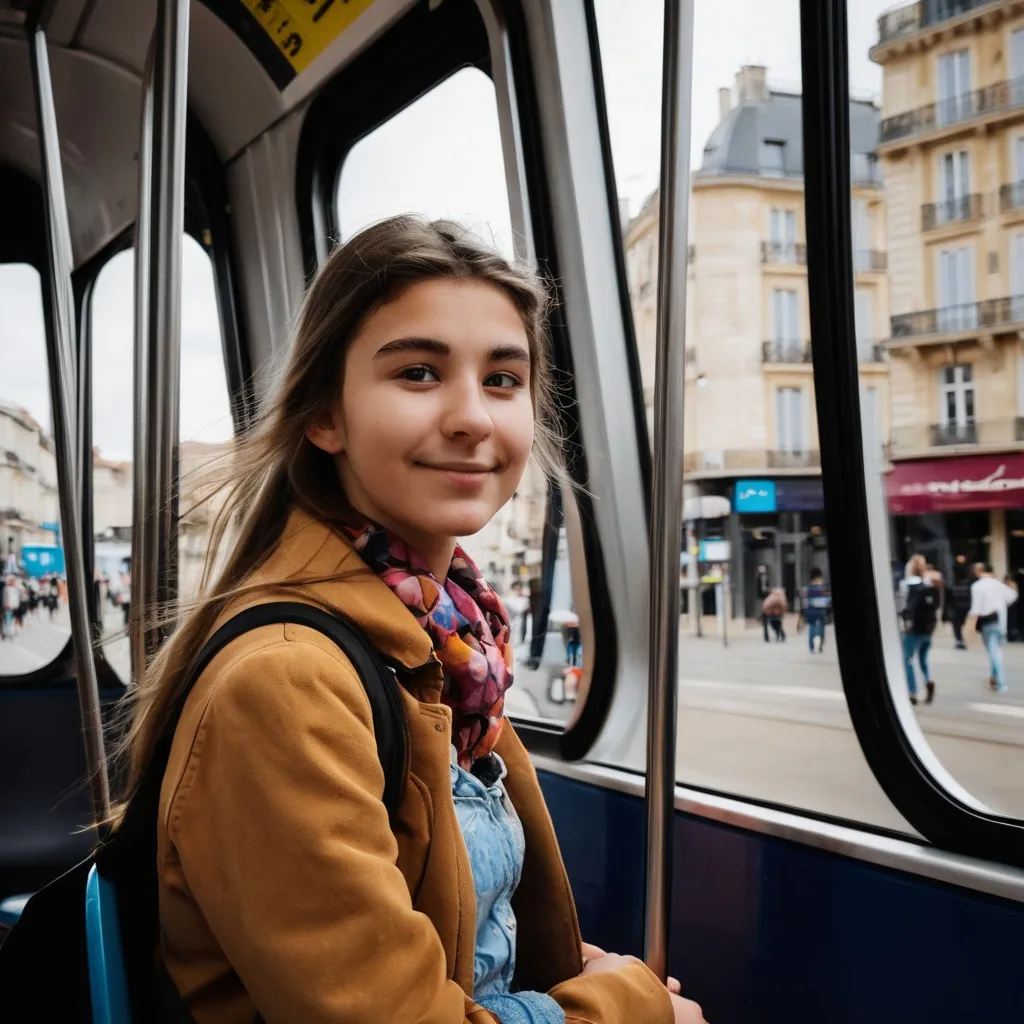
column 415, row 390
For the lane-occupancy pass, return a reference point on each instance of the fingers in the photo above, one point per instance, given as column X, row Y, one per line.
column 592, row 952
column 673, row 986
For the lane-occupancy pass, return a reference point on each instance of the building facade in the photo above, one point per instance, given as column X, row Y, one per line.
column 952, row 149
column 28, row 482
column 750, row 421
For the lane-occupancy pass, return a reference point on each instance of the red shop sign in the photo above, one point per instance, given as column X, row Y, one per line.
column 956, row 485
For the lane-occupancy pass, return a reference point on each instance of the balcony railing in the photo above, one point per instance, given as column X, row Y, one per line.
column 943, row 434
column 950, row 211
column 911, row 18
column 749, row 460
column 991, row 99
column 996, row 433
column 1011, row 197
column 786, row 352
column 784, row 252
column 970, row 316
column 869, row 259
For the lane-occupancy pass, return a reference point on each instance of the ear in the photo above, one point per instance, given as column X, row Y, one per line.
column 328, row 434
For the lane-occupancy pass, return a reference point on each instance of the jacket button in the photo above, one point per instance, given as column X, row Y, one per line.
column 439, row 727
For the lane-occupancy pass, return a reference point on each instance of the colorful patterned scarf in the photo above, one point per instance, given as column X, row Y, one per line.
column 468, row 626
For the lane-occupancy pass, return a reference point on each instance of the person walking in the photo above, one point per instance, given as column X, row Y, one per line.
column 11, row 600
column 990, row 601
column 773, row 609
column 764, row 588
column 958, row 603
column 816, row 602
column 920, row 613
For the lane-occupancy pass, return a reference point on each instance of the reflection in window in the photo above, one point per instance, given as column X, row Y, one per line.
column 204, row 426
column 454, row 131
column 33, row 595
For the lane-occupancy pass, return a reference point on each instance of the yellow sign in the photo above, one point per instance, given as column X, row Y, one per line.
column 303, row 29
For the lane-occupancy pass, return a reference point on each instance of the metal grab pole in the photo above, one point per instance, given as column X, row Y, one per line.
column 64, row 399
column 158, row 304
column 667, row 506
column 140, row 490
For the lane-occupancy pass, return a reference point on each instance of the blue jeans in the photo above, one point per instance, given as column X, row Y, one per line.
column 815, row 627
column 919, row 644
column 993, row 639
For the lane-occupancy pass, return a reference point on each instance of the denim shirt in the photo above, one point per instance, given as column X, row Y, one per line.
column 494, row 840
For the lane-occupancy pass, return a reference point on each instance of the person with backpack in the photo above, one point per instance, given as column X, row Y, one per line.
column 921, row 602
column 417, row 387
column 816, row 602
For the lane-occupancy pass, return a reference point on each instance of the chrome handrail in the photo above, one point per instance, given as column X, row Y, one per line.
column 667, row 503
column 158, row 331
column 64, row 398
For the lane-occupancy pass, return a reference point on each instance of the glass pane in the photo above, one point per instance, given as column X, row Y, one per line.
column 33, row 594
column 758, row 717
column 204, row 426
column 949, row 485
column 454, row 130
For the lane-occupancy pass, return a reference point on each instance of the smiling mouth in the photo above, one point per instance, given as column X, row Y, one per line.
column 477, row 470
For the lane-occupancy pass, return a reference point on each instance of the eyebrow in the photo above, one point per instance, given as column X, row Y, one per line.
column 501, row 354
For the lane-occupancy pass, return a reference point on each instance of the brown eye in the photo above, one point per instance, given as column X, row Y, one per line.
column 503, row 379
column 419, row 375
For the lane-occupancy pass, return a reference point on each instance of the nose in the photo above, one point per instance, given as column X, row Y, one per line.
column 466, row 416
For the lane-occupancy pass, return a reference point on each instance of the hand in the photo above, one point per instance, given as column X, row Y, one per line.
column 686, row 1011
column 592, row 952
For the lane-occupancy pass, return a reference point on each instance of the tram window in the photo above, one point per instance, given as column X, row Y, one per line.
column 762, row 715
column 441, row 157
column 948, row 480
column 204, row 426
column 30, row 547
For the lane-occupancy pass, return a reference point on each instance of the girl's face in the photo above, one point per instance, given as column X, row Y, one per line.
column 434, row 424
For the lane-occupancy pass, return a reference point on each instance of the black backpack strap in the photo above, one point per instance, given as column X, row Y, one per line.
column 130, row 856
column 378, row 679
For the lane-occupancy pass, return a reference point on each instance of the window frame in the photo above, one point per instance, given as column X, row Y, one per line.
column 208, row 221
column 443, row 41
column 910, row 776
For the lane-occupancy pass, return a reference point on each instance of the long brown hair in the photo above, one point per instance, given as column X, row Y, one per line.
column 275, row 469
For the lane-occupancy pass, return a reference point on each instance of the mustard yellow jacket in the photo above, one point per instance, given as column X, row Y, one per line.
column 283, row 890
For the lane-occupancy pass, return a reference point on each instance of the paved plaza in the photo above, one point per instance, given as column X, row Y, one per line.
column 767, row 721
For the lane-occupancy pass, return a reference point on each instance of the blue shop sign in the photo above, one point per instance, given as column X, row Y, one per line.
column 755, row 496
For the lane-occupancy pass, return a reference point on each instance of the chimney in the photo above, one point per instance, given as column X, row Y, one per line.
column 724, row 103
column 752, row 84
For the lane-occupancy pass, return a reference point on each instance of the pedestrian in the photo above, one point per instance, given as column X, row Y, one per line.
column 764, row 588
column 990, row 602
column 22, row 608
column 516, row 604
column 573, row 643
column 773, row 609
column 920, row 614
column 958, row 603
column 816, row 604
column 11, row 600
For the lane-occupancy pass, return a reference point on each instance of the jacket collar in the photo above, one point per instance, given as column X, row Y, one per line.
column 340, row 581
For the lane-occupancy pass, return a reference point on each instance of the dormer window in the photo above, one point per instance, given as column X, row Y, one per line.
column 773, row 157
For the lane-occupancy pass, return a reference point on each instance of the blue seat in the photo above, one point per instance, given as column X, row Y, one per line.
column 11, row 908
column 108, row 983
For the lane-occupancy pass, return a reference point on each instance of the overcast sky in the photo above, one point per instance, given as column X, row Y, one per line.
column 441, row 157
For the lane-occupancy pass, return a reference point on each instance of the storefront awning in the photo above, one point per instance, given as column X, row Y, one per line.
column 956, row 485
